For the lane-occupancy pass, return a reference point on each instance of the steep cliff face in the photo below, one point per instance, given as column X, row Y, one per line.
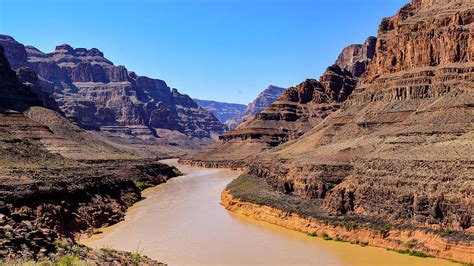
column 304, row 106
column 424, row 33
column 7, row 74
column 92, row 91
column 57, row 180
column 263, row 100
column 295, row 112
column 398, row 148
column 356, row 57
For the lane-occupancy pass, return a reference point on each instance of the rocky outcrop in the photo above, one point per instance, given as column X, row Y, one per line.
column 355, row 58
column 303, row 106
column 15, row 52
column 296, row 111
column 7, row 74
column 90, row 90
column 424, row 33
column 263, row 100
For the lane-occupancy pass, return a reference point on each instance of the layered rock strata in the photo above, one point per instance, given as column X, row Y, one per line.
column 263, row 100
column 90, row 90
column 296, row 111
column 221, row 110
column 57, row 180
column 398, row 149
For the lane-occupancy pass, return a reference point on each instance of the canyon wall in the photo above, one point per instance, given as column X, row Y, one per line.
column 393, row 144
column 57, row 180
column 294, row 113
column 96, row 94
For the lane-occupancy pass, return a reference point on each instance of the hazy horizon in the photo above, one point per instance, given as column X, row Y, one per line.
column 212, row 50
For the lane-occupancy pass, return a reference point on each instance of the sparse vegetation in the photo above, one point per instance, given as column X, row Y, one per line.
column 411, row 243
column 177, row 172
column 326, row 236
column 313, row 234
column 385, row 229
column 68, row 260
column 350, row 225
column 60, row 243
column 142, row 185
column 447, row 231
column 137, row 256
column 410, row 252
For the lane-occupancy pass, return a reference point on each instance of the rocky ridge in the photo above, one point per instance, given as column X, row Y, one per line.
column 221, row 110
column 295, row 112
column 96, row 94
column 263, row 100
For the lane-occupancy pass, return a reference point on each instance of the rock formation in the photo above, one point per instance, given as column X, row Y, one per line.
column 263, row 100
column 232, row 114
column 393, row 146
column 221, row 110
column 96, row 94
column 295, row 112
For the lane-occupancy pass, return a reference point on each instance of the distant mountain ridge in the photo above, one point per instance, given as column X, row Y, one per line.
column 263, row 100
column 90, row 90
column 232, row 114
column 222, row 110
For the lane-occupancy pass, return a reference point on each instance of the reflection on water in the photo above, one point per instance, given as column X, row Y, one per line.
column 182, row 222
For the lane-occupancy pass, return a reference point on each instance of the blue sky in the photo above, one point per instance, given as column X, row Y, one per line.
column 225, row 50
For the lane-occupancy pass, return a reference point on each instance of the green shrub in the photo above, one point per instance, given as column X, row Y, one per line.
column 418, row 254
column 411, row 243
column 176, row 172
column 141, row 185
column 447, row 231
column 137, row 256
column 326, row 236
column 350, row 225
column 338, row 239
column 68, row 261
column 60, row 243
column 403, row 251
column 413, row 253
column 313, row 234
column 385, row 229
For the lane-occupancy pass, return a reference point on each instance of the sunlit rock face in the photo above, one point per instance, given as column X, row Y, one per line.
column 393, row 142
column 90, row 90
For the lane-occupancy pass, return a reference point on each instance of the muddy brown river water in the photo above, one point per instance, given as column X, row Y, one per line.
column 181, row 222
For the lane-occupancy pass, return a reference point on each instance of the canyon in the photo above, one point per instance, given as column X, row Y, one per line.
column 233, row 114
column 58, row 181
column 377, row 151
column 127, row 109
column 383, row 138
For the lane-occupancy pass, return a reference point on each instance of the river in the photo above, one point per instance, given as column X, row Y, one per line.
column 182, row 222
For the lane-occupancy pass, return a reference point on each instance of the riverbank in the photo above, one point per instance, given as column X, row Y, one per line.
column 259, row 202
column 40, row 219
column 234, row 165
